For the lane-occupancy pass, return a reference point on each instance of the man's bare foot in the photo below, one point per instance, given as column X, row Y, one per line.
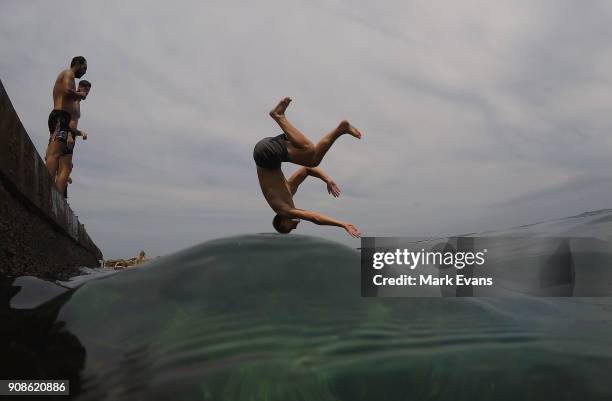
column 346, row 128
column 279, row 110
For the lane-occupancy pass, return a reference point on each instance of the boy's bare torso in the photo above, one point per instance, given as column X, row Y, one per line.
column 276, row 189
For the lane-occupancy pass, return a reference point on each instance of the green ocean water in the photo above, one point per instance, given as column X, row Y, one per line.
column 271, row 317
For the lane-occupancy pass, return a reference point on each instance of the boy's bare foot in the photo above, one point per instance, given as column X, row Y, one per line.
column 346, row 128
column 279, row 110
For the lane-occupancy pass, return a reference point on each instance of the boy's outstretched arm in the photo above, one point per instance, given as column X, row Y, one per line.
column 300, row 175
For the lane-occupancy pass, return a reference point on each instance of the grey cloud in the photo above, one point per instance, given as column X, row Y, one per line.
column 476, row 115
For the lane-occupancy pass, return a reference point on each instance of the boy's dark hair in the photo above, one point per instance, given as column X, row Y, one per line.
column 80, row 60
column 85, row 82
column 276, row 224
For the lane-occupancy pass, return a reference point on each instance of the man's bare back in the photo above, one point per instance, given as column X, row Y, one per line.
column 294, row 147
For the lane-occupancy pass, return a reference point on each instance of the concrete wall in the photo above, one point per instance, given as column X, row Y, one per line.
column 39, row 233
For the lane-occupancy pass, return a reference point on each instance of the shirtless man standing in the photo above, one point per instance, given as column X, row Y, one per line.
column 65, row 161
column 64, row 94
column 292, row 146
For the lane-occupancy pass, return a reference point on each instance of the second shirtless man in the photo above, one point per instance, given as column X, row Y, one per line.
column 292, row 146
column 65, row 161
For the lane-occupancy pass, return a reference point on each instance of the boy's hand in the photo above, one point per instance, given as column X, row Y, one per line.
column 352, row 230
column 333, row 189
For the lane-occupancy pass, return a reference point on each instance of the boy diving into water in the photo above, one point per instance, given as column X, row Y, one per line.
column 292, row 146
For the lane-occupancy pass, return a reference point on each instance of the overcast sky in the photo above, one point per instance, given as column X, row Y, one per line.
column 476, row 115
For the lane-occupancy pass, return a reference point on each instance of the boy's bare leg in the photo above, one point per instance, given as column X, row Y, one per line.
column 300, row 149
column 312, row 157
column 297, row 139
column 326, row 142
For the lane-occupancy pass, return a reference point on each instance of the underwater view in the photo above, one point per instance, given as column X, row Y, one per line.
column 280, row 317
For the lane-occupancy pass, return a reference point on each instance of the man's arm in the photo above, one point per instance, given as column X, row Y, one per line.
column 76, row 132
column 323, row 220
column 300, row 175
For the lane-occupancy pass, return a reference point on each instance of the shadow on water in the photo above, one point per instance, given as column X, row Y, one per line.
column 267, row 317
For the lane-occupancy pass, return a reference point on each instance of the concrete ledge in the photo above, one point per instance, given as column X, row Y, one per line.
column 39, row 233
